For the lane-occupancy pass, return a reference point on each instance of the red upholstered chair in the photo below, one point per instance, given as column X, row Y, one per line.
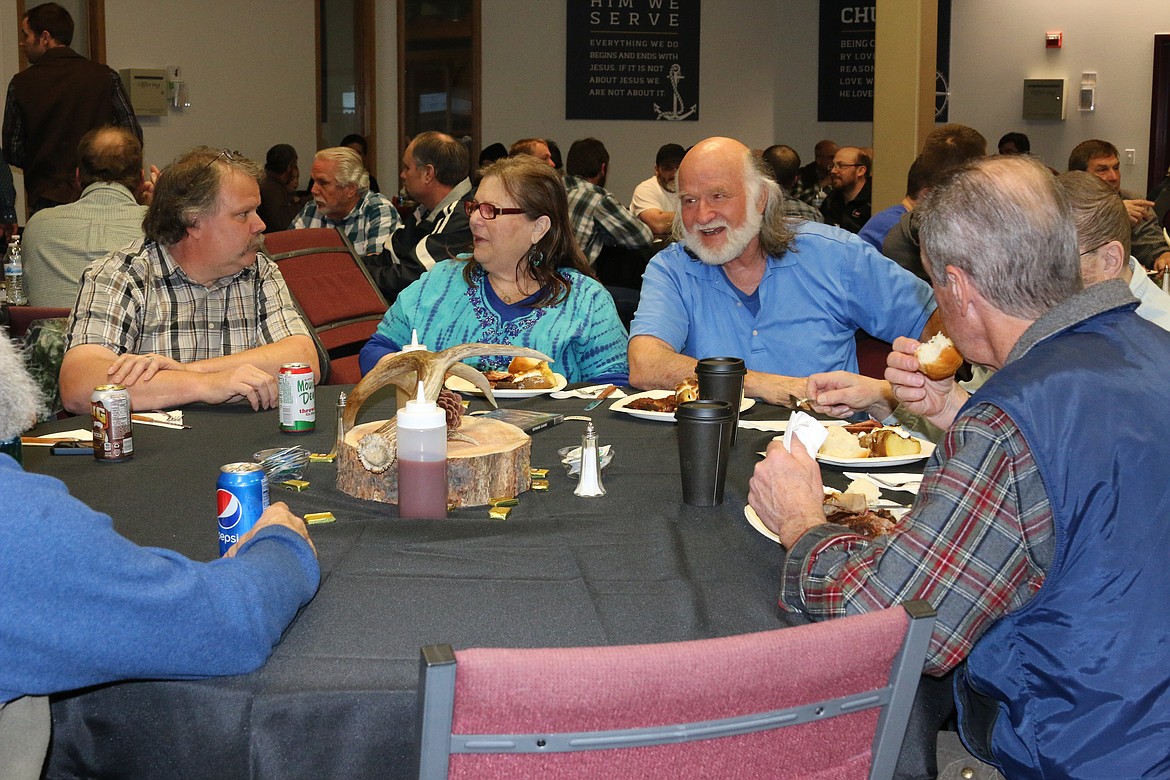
column 21, row 317
column 335, row 294
column 871, row 355
column 826, row 700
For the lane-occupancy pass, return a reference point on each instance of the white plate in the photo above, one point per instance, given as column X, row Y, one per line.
column 754, row 520
column 620, row 406
column 461, row 385
column 895, row 460
column 758, row 524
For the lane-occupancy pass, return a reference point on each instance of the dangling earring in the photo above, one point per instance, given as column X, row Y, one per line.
column 535, row 257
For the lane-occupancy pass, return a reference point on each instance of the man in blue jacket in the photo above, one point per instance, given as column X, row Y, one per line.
column 83, row 605
column 1039, row 533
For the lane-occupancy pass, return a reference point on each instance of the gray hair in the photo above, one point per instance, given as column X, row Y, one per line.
column 777, row 229
column 350, row 169
column 1005, row 223
column 1099, row 213
column 20, row 397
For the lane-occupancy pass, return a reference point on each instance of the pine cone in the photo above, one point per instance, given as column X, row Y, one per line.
column 451, row 403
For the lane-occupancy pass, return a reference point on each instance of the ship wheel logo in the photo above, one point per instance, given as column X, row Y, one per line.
column 676, row 113
column 942, row 95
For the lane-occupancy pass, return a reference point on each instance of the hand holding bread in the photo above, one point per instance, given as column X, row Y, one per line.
column 938, row 358
column 935, row 400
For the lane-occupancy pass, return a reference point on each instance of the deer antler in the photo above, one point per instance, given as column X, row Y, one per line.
column 378, row 450
column 405, row 369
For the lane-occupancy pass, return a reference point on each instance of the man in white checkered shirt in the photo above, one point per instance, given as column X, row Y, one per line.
column 193, row 312
column 342, row 199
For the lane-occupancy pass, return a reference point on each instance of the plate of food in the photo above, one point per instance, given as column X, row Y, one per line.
column 660, row 404
column 872, row 444
column 859, row 508
column 525, row 377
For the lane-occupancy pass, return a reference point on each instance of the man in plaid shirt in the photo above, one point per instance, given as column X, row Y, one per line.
column 342, row 199
column 599, row 219
column 193, row 312
column 1038, row 534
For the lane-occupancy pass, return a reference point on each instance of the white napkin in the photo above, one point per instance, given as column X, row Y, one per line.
column 588, row 393
column 78, row 434
column 172, row 419
column 892, row 481
column 571, row 458
column 808, row 430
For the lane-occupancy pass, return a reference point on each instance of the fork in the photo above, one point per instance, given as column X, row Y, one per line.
column 803, row 404
column 885, row 480
column 894, row 484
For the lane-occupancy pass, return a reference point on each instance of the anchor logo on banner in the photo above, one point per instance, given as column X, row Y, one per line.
column 676, row 113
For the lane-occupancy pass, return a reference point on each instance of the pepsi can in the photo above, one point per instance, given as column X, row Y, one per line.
column 242, row 496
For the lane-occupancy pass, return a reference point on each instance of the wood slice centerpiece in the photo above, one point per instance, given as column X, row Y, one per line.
column 497, row 466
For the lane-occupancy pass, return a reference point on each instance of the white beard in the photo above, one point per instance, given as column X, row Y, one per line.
column 735, row 240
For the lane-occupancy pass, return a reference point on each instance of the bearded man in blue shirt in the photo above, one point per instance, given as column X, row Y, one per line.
column 746, row 281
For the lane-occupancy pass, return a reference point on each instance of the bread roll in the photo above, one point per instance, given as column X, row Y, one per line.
column 687, row 390
column 519, row 365
column 842, row 444
column 938, row 357
column 531, row 374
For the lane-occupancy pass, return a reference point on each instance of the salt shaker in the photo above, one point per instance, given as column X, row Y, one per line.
column 589, row 485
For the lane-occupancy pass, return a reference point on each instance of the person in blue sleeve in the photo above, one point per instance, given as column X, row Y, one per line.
column 83, row 605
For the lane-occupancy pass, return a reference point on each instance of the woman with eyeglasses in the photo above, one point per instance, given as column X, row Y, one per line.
column 526, row 284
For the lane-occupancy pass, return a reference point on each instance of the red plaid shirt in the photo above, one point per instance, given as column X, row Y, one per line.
column 976, row 544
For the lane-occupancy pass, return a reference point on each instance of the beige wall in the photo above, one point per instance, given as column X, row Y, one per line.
column 250, row 70
column 1116, row 41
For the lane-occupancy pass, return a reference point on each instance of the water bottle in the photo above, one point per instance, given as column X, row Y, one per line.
column 422, row 459
column 14, row 274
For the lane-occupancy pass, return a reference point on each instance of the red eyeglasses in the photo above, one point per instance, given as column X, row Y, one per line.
column 487, row 210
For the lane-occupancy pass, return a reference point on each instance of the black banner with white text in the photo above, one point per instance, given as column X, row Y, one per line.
column 846, row 61
column 632, row 59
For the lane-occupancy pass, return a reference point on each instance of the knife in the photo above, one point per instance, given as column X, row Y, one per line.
column 606, row 393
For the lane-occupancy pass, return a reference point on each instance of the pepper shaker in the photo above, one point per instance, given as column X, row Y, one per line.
column 589, row 485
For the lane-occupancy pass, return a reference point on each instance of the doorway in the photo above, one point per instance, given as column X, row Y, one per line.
column 1160, row 113
column 345, row 74
column 438, row 70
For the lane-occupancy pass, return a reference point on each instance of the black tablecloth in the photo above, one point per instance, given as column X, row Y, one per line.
column 337, row 697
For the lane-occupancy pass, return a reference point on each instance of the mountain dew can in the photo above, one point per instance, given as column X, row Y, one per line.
column 298, row 406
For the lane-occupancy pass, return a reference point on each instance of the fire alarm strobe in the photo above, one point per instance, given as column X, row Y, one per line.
column 1053, row 40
